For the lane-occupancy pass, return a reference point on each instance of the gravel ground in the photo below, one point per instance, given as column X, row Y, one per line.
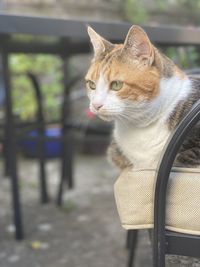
column 86, row 232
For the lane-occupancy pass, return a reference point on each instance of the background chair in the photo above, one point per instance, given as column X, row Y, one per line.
column 23, row 130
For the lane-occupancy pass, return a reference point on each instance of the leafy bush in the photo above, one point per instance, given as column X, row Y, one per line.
column 134, row 11
column 47, row 69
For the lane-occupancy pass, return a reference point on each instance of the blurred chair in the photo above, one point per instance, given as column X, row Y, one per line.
column 66, row 139
column 22, row 130
column 23, row 133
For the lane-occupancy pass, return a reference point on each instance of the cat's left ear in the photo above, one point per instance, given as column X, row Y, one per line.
column 100, row 45
column 138, row 44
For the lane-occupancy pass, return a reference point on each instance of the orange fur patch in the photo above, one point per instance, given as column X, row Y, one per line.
column 140, row 82
column 137, row 63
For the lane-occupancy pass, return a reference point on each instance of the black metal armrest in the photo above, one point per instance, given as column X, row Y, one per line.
column 164, row 170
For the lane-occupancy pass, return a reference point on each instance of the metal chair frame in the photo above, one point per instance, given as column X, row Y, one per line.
column 164, row 241
column 167, row 242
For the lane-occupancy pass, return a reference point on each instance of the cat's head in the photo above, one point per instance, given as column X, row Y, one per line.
column 122, row 76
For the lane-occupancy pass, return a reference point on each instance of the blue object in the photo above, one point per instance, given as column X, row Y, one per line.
column 53, row 147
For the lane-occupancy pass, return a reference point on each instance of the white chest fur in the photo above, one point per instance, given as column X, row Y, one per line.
column 142, row 146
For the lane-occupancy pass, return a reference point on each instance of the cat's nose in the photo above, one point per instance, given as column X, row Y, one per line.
column 97, row 105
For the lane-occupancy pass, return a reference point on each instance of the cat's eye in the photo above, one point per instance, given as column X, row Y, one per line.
column 116, row 85
column 91, row 85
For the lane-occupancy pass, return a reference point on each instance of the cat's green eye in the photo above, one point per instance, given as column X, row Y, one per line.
column 91, row 85
column 116, row 85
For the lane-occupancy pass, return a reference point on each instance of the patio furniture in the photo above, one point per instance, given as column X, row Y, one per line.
column 166, row 242
column 132, row 235
column 176, row 229
column 67, row 151
column 71, row 38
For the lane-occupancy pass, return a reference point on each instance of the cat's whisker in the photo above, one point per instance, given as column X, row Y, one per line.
column 123, row 121
column 125, row 118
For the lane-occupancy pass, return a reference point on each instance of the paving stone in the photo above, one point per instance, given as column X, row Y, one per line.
column 86, row 232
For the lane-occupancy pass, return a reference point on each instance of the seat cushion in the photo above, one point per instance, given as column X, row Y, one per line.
column 134, row 194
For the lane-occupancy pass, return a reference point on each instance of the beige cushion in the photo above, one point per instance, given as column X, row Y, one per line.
column 134, row 194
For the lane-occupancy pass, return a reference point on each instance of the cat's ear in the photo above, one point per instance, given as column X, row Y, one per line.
column 138, row 44
column 100, row 45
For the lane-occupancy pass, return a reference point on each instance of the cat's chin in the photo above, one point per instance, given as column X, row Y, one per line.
column 106, row 117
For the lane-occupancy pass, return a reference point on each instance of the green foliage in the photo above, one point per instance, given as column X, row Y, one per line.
column 144, row 12
column 46, row 68
column 134, row 11
column 139, row 12
column 186, row 57
column 192, row 4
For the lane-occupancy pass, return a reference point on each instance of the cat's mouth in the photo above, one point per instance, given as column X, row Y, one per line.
column 106, row 116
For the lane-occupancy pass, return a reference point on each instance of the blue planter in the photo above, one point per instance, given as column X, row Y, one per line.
column 53, row 148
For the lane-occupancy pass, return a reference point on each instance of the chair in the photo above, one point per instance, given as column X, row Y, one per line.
column 164, row 241
column 167, row 242
column 23, row 128
column 66, row 158
column 66, row 138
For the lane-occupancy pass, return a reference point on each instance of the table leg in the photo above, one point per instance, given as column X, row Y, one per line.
column 12, row 157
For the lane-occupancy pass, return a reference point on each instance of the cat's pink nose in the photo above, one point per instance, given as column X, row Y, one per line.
column 97, row 105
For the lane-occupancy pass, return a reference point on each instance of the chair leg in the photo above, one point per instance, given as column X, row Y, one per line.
column 68, row 160
column 128, row 239
column 60, row 192
column 43, row 184
column 67, row 166
column 5, row 154
column 132, row 242
column 67, row 155
column 41, row 137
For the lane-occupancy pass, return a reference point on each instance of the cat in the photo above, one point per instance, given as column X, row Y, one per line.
column 146, row 95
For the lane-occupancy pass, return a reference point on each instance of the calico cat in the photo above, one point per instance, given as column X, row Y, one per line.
column 146, row 95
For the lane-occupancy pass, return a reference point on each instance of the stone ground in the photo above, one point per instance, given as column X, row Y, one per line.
column 86, row 232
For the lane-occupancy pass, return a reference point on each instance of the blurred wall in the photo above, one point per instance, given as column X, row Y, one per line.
column 93, row 9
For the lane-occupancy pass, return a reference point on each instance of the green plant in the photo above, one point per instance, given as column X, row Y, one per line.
column 193, row 5
column 47, row 69
column 186, row 57
column 134, row 11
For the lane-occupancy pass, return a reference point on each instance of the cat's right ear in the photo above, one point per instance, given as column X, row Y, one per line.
column 138, row 44
column 100, row 45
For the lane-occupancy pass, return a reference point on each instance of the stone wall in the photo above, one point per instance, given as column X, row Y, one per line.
column 107, row 10
column 93, row 9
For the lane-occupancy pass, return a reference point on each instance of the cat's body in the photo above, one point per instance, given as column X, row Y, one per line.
column 143, row 143
column 142, row 146
column 147, row 96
